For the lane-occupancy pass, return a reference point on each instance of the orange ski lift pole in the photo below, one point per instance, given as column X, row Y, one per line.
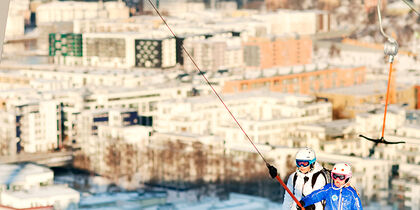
column 218, row 96
column 391, row 50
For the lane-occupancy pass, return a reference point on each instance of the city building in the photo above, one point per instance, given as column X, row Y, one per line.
column 48, row 197
column 406, row 187
column 12, row 80
column 38, row 124
column 155, row 53
column 299, row 79
column 116, row 151
column 351, row 100
column 185, row 159
column 263, row 52
column 30, row 186
column 266, row 116
column 59, row 11
column 174, row 7
column 128, row 50
column 289, row 22
column 337, row 137
column 209, row 55
column 66, row 48
column 17, row 17
column 24, row 177
column 370, row 5
column 7, row 133
column 3, row 22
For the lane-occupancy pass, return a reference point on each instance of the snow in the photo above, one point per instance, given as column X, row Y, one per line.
column 235, row 202
column 19, row 173
column 54, row 190
column 107, row 198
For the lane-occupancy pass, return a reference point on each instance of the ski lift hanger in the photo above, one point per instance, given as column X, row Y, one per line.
column 391, row 50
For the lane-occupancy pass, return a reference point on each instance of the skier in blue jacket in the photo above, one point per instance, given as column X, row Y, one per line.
column 339, row 195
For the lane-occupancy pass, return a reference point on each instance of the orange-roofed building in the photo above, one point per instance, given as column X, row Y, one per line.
column 302, row 83
column 264, row 52
column 370, row 5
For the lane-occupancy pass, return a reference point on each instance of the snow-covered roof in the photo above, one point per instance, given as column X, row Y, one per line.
column 18, row 173
column 43, row 192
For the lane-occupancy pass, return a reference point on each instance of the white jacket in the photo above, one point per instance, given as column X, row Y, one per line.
column 300, row 185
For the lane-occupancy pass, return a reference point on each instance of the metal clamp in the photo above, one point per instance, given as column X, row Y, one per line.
column 391, row 46
column 391, row 50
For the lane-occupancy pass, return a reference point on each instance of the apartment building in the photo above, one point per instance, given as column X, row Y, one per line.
column 59, row 11
column 266, row 117
column 265, row 52
column 105, row 49
column 352, row 100
column 209, row 55
column 79, row 78
column 337, row 137
column 293, row 80
column 118, row 50
column 18, row 15
column 38, row 124
column 155, row 53
column 66, row 48
column 117, row 151
column 406, row 187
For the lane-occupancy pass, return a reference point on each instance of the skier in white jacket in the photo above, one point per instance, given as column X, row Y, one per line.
column 309, row 176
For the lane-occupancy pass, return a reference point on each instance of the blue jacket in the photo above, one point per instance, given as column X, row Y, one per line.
column 345, row 198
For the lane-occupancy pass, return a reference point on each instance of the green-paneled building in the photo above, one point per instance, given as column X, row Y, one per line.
column 69, row 44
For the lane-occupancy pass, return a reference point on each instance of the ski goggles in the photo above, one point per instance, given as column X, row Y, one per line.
column 304, row 163
column 338, row 176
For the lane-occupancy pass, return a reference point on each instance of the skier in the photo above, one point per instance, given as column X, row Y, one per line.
column 339, row 195
column 309, row 176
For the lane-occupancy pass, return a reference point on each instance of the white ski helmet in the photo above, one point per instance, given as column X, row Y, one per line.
column 343, row 169
column 305, row 155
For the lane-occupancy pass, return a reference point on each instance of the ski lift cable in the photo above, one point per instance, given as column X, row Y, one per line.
column 391, row 50
column 412, row 7
column 221, row 100
column 208, row 82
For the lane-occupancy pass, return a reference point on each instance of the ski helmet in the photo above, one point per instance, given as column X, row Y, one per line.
column 342, row 169
column 305, row 155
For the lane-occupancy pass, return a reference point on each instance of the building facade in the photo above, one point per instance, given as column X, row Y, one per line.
column 265, row 53
column 300, row 82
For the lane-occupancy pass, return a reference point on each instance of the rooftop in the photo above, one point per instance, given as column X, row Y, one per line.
column 42, row 192
column 18, row 173
column 365, row 89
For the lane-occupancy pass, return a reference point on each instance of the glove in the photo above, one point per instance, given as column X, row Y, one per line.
column 272, row 170
column 301, row 203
